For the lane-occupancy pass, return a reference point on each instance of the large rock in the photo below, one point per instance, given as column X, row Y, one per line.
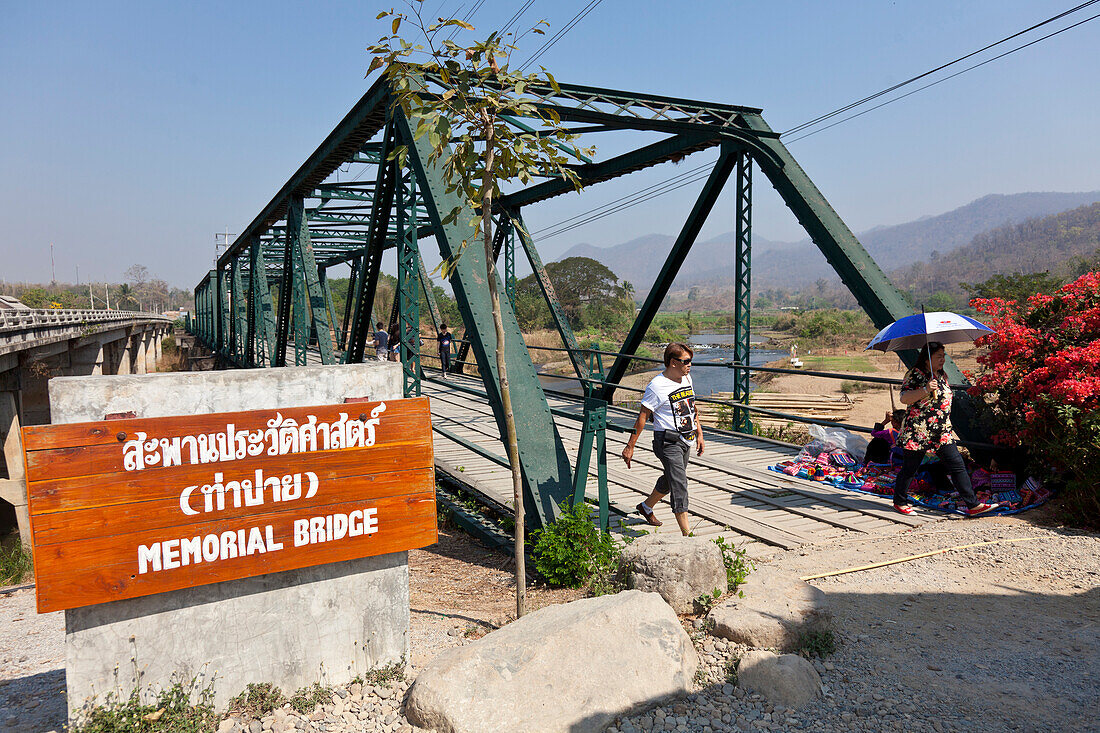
column 679, row 568
column 787, row 679
column 571, row 667
column 776, row 608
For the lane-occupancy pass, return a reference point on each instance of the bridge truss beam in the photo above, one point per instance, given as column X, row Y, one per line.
column 273, row 281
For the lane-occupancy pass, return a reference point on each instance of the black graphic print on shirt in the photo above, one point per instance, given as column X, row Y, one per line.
column 683, row 411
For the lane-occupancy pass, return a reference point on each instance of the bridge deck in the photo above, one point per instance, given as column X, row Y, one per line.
column 731, row 491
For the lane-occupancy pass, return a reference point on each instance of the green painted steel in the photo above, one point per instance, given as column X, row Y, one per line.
column 288, row 248
column 742, row 290
column 576, row 358
column 547, row 472
column 314, row 316
column 239, row 311
column 509, row 260
column 680, row 248
column 408, row 300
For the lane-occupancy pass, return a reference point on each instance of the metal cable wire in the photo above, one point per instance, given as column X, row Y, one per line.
column 558, row 36
column 940, row 81
column 941, row 67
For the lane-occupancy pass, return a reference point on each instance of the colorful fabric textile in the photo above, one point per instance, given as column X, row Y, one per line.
column 878, row 479
column 928, row 421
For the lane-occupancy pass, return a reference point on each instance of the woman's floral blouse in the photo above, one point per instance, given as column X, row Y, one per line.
column 928, row 421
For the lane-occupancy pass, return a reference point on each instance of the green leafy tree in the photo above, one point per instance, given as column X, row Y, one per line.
column 455, row 96
column 1017, row 286
column 590, row 294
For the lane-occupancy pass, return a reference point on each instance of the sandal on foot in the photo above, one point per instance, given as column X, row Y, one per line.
column 903, row 509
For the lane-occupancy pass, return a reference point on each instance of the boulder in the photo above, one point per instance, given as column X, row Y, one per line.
column 679, row 568
column 772, row 609
column 570, row 667
column 787, row 679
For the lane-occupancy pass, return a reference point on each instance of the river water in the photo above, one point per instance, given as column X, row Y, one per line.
column 711, row 349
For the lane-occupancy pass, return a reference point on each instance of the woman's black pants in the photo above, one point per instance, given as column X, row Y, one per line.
column 952, row 461
column 445, row 359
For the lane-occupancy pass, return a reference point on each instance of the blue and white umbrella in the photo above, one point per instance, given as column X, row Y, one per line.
column 914, row 332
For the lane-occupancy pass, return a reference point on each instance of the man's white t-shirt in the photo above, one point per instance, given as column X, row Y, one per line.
column 672, row 404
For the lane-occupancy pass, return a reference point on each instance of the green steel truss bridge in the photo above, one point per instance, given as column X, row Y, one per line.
column 268, row 302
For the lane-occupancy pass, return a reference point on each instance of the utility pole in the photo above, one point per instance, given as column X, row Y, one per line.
column 91, row 299
column 53, row 273
column 78, row 274
column 107, row 290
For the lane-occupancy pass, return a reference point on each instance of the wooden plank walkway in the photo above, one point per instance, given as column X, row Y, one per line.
column 731, row 491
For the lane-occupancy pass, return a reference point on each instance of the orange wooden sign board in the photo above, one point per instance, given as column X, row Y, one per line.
column 128, row 508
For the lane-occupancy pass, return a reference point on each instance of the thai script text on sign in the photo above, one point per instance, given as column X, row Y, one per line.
column 131, row 507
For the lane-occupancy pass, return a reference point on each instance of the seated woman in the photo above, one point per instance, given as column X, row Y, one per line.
column 927, row 429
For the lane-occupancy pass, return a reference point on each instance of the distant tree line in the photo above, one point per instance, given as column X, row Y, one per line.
column 139, row 291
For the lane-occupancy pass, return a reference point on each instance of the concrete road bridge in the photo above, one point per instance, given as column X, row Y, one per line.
column 372, row 187
column 37, row 345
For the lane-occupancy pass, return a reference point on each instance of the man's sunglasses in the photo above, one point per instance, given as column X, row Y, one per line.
column 682, row 361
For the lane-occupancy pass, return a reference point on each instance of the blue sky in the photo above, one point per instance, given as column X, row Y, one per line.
column 133, row 131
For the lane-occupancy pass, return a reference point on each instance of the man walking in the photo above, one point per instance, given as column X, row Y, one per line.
column 669, row 400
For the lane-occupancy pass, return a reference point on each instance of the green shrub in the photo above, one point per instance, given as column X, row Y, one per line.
column 816, row 643
column 258, row 699
column 171, row 712
column 385, row 676
column 308, row 698
column 738, row 565
column 572, row 550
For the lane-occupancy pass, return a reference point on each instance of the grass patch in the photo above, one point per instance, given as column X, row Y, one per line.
column 731, row 670
column 15, row 563
column 848, row 387
column 257, row 700
column 787, row 433
column 838, row 364
column 171, row 712
column 308, row 698
column 817, row 643
column 385, row 676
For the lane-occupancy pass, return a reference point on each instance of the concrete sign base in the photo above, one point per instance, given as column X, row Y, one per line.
column 321, row 624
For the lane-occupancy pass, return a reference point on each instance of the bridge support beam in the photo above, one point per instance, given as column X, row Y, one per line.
column 13, row 488
column 742, row 300
column 546, row 467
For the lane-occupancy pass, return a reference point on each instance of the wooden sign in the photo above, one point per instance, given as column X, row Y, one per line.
column 132, row 507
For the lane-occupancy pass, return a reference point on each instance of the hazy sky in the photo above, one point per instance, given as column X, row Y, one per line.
column 132, row 132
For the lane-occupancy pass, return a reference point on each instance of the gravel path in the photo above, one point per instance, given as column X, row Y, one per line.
column 1002, row 637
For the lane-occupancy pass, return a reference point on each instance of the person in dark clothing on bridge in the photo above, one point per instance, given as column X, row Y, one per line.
column 445, row 339
column 381, row 342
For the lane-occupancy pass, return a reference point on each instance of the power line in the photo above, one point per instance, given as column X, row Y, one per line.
column 565, row 29
column 677, row 182
column 507, row 26
column 941, row 67
column 638, row 197
column 940, row 81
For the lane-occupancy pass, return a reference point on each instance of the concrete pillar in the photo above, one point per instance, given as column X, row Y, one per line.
column 124, row 355
column 88, row 360
column 13, row 488
column 151, row 341
column 141, row 350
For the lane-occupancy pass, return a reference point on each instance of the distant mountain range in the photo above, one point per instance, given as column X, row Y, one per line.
column 797, row 264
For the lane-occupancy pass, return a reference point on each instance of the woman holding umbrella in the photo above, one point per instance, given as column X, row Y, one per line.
column 927, row 396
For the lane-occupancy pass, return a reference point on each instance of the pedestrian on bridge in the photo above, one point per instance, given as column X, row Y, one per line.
column 669, row 400
column 445, row 339
column 381, row 342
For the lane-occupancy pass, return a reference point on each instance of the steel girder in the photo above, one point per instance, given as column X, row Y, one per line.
column 742, row 295
column 355, row 221
column 546, row 468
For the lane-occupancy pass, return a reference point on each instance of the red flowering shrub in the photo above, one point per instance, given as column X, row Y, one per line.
column 1040, row 378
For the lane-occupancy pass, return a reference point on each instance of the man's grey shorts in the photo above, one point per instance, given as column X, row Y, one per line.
column 672, row 451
